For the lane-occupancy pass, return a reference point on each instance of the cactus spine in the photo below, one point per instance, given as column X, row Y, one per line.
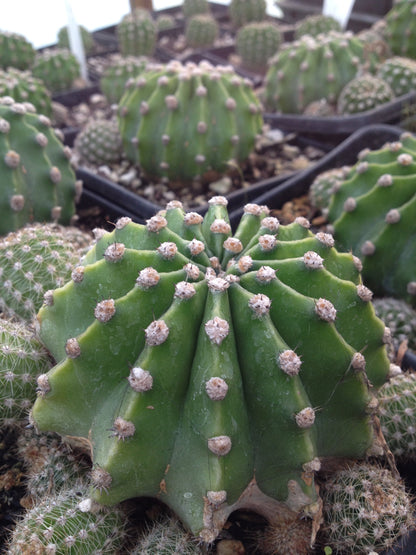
column 22, row 86
column 118, row 72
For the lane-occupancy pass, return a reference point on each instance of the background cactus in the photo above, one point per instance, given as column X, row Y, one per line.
column 179, row 121
column 86, row 38
column 194, row 7
column 118, row 72
column 256, row 42
column 236, row 320
column 22, row 86
column 201, row 31
column 57, row 68
column 400, row 28
column 15, row 51
column 325, row 185
column 99, row 142
column 363, row 93
column 373, row 213
column 399, row 73
column 315, row 25
column 246, row 11
column 400, row 318
column 38, row 182
column 137, row 33
column 165, row 21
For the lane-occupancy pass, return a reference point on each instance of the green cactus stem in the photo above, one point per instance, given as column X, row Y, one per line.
column 363, row 93
column 400, row 74
column 58, row 68
column 86, row 38
column 189, row 358
column 246, row 11
column 201, row 31
column 400, row 28
column 22, row 86
column 15, row 51
column 314, row 25
column 195, row 7
column 257, row 42
column 137, row 33
column 99, row 142
column 119, row 70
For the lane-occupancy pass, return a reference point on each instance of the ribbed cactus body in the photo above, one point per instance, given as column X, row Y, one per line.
column 246, row 11
column 22, row 86
column 99, row 142
column 193, row 357
column 118, row 72
column 373, row 214
column 400, row 318
column 15, row 51
column 257, row 42
column 137, row 33
column 311, row 68
column 325, row 185
column 86, row 38
column 38, row 182
column 57, row 68
column 314, row 25
column 179, row 121
column 165, row 21
column 363, row 93
column 194, row 7
column 201, row 31
column 400, row 73
column 400, row 28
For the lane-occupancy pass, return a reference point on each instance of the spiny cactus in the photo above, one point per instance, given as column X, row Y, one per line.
column 57, row 68
column 166, row 536
column 374, row 214
column 33, row 260
column 86, row 38
column 190, row 354
column 137, row 33
column 99, row 142
column 165, row 21
column 316, row 24
column 38, row 181
column 257, row 42
column 201, row 31
column 194, row 7
column 15, row 51
column 179, row 121
column 22, row 86
column 400, row 318
column 118, row 72
column 325, row 185
column 400, row 74
column 363, row 93
column 366, row 509
column 311, row 68
column 22, row 360
column 246, row 11
column 400, row 28
column 68, row 524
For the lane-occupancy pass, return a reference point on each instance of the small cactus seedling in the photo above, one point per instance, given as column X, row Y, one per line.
column 86, row 38
column 400, row 318
column 363, row 93
column 246, row 11
column 22, row 360
column 374, row 214
column 118, row 72
column 400, row 28
column 99, row 142
column 22, row 86
column 191, row 355
column 257, row 42
column 15, row 51
column 195, row 7
column 399, row 73
column 366, row 509
column 33, row 260
column 137, row 33
column 57, row 68
column 38, row 182
column 182, row 120
column 314, row 25
column 201, row 31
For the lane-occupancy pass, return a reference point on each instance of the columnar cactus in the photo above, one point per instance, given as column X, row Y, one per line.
column 99, row 142
column 179, row 121
column 246, row 11
column 374, row 214
column 118, row 72
column 22, row 86
column 22, row 360
column 363, row 93
column 201, row 31
column 191, row 355
column 15, row 51
column 57, row 68
column 400, row 28
column 400, row 74
column 137, row 33
column 86, row 38
column 38, row 181
column 316, row 24
column 256, row 42
column 310, row 69
column 194, row 7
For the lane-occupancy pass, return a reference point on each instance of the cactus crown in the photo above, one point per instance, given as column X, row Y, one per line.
column 201, row 31
column 99, row 142
column 363, row 93
column 22, row 86
column 400, row 28
column 194, row 7
column 246, row 11
column 15, row 51
column 57, row 68
column 257, row 42
column 137, row 33
column 189, row 353
column 316, row 24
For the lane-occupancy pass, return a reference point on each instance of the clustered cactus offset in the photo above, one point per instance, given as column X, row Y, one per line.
column 190, row 354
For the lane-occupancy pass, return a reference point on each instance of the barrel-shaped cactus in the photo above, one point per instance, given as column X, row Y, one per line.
column 201, row 31
column 99, row 142
column 364, row 92
column 22, row 86
column 213, row 370
column 86, row 38
column 15, row 51
column 256, row 42
column 38, row 181
column 246, row 11
column 400, row 28
column 316, row 24
column 400, row 318
column 400, row 74
column 137, row 33
column 373, row 213
column 194, row 7
column 181, row 120
column 119, row 70
column 58, row 68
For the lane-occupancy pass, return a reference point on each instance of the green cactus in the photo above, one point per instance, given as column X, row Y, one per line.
column 137, row 34
column 400, row 74
column 246, row 11
column 316, row 24
column 201, row 31
column 400, row 318
column 324, row 186
column 57, row 68
column 22, row 360
column 15, row 51
column 34, row 260
column 86, row 38
column 366, row 509
column 165, row 21
column 364, row 92
column 256, row 42
column 373, row 214
column 67, row 524
column 400, row 28
column 247, row 404
column 166, row 536
column 310, row 69
column 397, row 410
column 99, row 142
column 194, row 7
column 22, row 86
column 118, row 72
column 38, row 181
column 179, row 121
